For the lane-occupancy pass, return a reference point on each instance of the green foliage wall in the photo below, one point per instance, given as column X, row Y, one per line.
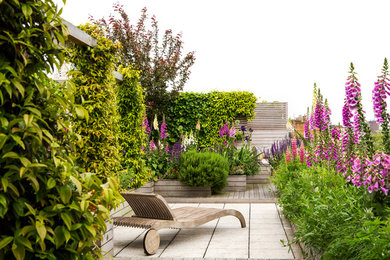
column 48, row 210
column 211, row 109
column 131, row 110
column 97, row 122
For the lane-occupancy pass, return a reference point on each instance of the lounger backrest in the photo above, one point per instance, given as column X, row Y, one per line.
column 151, row 206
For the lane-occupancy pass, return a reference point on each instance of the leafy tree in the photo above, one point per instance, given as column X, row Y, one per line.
column 164, row 69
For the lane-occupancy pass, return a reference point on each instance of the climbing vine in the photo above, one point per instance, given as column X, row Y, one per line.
column 48, row 209
column 97, row 122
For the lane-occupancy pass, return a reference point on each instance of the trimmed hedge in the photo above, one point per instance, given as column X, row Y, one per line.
column 211, row 109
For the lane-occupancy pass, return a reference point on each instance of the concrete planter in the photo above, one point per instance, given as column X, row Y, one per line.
column 175, row 188
column 235, row 183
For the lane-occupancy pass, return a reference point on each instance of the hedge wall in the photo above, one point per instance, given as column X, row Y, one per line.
column 211, row 109
column 48, row 210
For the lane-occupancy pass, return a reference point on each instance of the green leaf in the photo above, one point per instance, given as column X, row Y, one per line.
column 80, row 112
column 19, row 86
column 19, row 141
column 31, row 209
column 27, row 229
column 67, row 220
column 41, row 229
column 34, row 111
column 66, row 234
column 77, row 183
column 51, row 183
column 24, row 241
column 65, row 193
column 90, row 229
column 26, row 9
column 4, row 183
column 12, row 155
column 3, row 139
column 5, row 241
column 18, row 251
column 60, row 237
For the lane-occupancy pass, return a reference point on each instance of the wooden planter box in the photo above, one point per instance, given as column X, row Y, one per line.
column 235, row 183
column 258, row 179
column 147, row 188
column 175, row 188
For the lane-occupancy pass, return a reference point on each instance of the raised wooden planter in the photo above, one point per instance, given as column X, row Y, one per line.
column 147, row 188
column 258, row 179
column 175, row 188
column 235, row 183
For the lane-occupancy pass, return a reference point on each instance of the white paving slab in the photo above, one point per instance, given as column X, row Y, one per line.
column 220, row 238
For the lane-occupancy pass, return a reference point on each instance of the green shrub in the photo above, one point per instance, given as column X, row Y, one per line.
column 247, row 159
column 334, row 219
column 211, row 110
column 48, row 209
column 97, row 122
column 204, row 169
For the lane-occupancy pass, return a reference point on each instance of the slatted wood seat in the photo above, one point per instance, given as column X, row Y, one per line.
column 152, row 212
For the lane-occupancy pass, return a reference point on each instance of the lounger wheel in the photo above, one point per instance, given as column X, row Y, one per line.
column 151, row 242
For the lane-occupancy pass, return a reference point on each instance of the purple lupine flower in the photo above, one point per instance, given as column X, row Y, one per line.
column 294, row 149
column 250, row 130
column 243, row 129
column 163, row 130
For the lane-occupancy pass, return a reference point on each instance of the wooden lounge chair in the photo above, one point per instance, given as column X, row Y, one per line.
column 152, row 212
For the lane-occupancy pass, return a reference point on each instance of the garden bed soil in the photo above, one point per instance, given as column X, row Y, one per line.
column 235, row 183
column 175, row 188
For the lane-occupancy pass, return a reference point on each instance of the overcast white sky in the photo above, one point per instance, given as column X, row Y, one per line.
column 276, row 49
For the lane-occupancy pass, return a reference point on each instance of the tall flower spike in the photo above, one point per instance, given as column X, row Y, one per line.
column 294, row 148
column 379, row 95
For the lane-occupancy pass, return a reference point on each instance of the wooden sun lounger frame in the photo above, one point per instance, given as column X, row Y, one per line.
column 152, row 212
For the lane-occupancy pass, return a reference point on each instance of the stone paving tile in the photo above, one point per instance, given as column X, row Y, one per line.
column 227, row 253
column 223, row 238
column 184, row 253
column 270, row 254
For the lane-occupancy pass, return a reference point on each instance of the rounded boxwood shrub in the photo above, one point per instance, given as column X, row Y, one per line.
column 204, row 169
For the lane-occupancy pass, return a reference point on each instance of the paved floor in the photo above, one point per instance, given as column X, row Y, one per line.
column 221, row 238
